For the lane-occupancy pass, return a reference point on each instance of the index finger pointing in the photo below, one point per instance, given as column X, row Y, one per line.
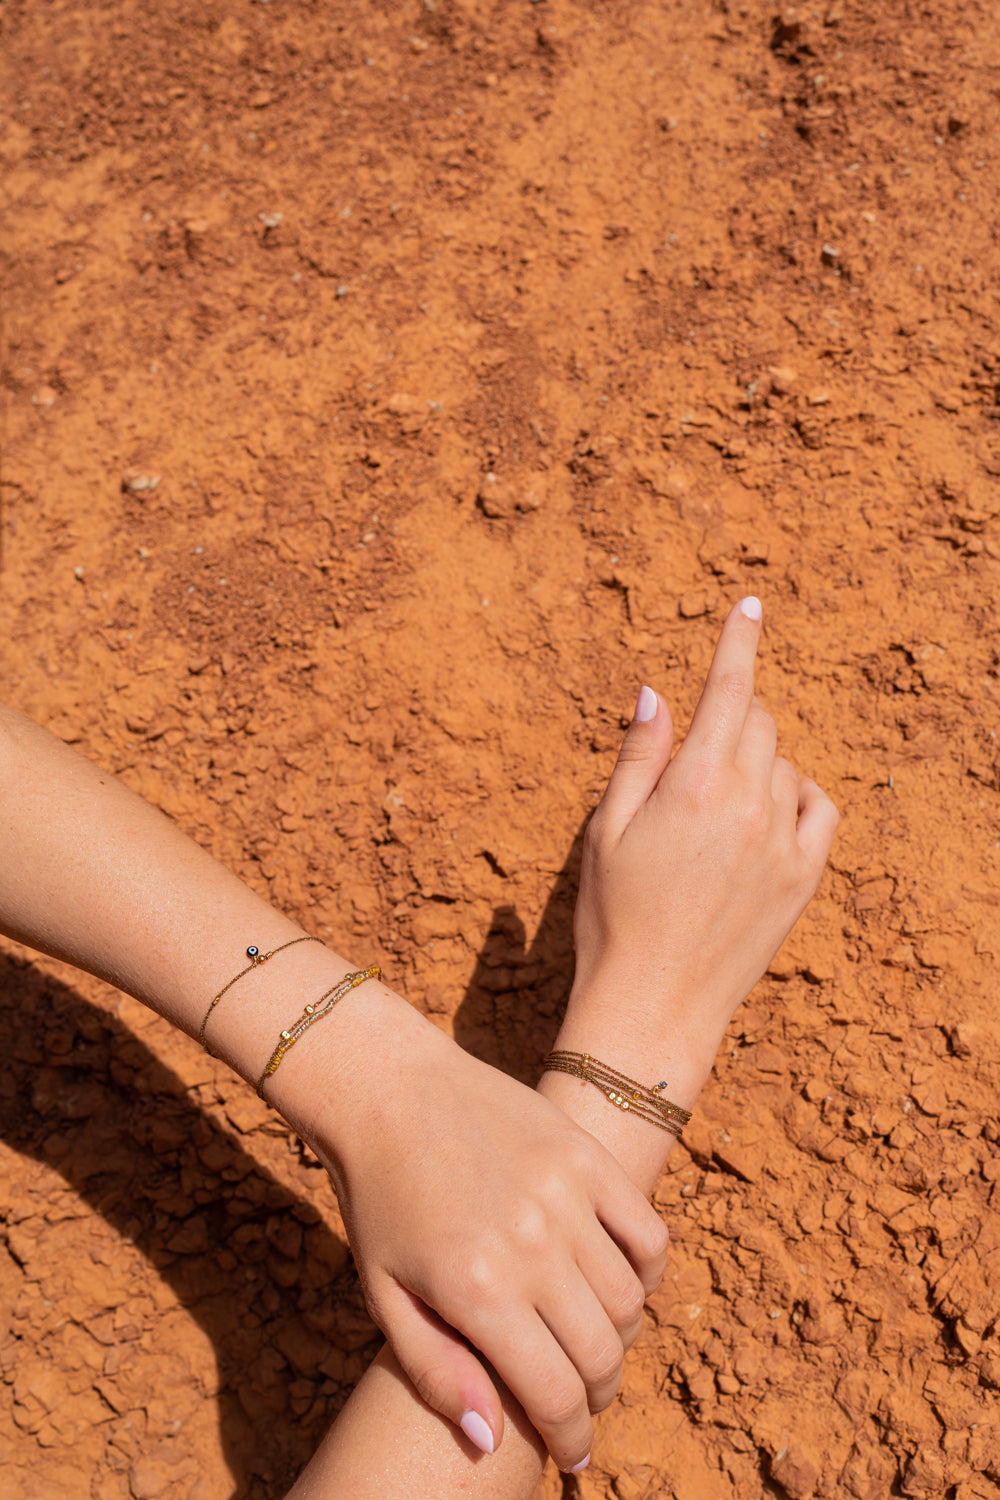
column 728, row 692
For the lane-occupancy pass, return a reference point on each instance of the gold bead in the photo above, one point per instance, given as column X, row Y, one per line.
column 286, row 1035
column 310, row 1009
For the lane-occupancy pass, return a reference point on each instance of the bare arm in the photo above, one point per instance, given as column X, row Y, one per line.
column 694, row 871
column 93, row 875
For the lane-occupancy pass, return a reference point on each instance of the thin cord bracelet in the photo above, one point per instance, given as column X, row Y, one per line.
column 311, row 1014
column 623, row 1092
column 256, row 959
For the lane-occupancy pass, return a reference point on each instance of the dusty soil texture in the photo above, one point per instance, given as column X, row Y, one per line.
column 389, row 390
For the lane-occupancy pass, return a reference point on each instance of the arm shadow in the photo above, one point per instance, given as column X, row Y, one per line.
column 513, row 1006
column 251, row 1261
column 271, row 1286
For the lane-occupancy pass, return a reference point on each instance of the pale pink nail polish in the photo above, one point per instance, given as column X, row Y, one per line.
column 477, row 1431
column 579, row 1468
column 646, row 706
column 752, row 607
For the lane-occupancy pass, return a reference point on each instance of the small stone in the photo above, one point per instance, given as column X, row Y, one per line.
column 148, row 1480
column 796, row 1474
column 501, row 499
column 965, row 1038
column 693, row 606
column 783, row 378
column 136, row 483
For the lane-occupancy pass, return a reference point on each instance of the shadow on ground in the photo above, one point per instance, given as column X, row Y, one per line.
column 250, row 1260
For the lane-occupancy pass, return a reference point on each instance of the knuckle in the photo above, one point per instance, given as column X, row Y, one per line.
column 701, row 791
column 786, row 776
column 432, row 1385
column 530, row 1227
column 563, row 1405
column 657, row 1238
column 478, row 1280
column 734, row 686
column 756, row 815
column 597, row 833
column 632, row 1304
column 603, row 1374
column 376, row 1310
column 633, row 751
column 582, row 1164
column 763, row 716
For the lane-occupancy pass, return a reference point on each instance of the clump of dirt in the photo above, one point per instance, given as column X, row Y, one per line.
column 389, row 391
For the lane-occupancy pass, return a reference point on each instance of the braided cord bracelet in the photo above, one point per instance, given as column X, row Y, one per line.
column 623, row 1092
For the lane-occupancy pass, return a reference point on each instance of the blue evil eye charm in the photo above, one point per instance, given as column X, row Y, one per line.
column 253, row 952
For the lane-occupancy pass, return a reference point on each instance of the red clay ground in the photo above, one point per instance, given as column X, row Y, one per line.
column 389, row 390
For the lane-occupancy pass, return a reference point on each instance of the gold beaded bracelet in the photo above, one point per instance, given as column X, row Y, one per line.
column 312, row 1013
column 648, row 1103
column 256, row 959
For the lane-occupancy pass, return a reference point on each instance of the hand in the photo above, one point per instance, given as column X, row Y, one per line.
column 694, row 870
column 477, row 1210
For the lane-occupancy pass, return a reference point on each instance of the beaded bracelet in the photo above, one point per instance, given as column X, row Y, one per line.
column 624, row 1093
column 256, row 959
column 312, row 1013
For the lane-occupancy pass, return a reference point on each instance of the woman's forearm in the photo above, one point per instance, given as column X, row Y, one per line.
column 93, row 875
column 503, row 1229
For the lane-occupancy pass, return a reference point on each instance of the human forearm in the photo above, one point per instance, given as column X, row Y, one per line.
column 387, row 1442
column 93, row 875
column 509, row 1228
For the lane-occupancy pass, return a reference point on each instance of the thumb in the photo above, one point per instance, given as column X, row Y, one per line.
column 642, row 759
column 445, row 1371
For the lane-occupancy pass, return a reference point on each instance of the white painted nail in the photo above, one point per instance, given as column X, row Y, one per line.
column 579, row 1468
column 752, row 607
column 477, row 1431
column 646, row 706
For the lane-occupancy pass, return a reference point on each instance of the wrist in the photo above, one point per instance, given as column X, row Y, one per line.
column 320, row 1083
column 332, row 1086
column 646, row 1030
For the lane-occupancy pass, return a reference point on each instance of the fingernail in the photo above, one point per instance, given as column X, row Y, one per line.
column 478, row 1431
column 579, row 1468
column 752, row 607
column 646, row 706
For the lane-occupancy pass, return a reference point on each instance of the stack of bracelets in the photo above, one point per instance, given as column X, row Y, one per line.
column 312, row 1013
column 648, row 1103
